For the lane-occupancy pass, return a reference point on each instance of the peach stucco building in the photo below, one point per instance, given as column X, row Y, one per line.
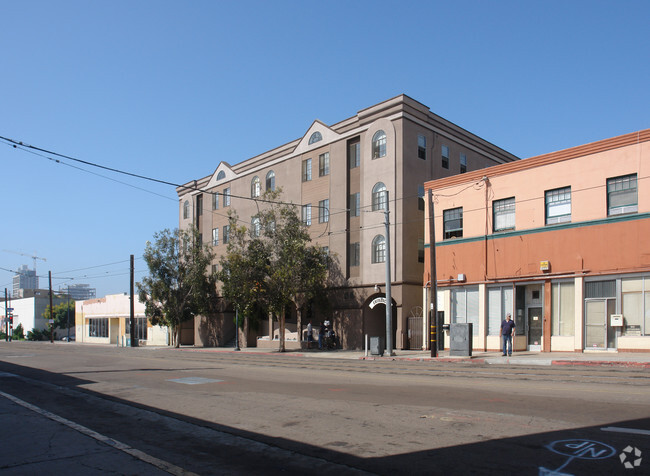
column 561, row 241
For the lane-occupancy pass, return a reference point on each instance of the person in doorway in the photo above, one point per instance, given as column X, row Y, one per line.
column 310, row 335
column 507, row 334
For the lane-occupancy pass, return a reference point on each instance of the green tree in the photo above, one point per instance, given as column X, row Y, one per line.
column 273, row 265
column 60, row 314
column 244, row 269
column 180, row 284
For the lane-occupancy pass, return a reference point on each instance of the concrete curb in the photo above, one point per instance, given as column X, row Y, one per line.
column 602, row 363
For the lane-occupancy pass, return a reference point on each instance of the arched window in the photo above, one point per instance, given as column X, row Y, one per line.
column 315, row 137
column 270, row 180
column 379, row 197
column 256, row 227
column 186, row 209
column 256, row 187
column 221, row 175
column 379, row 144
column 379, row 249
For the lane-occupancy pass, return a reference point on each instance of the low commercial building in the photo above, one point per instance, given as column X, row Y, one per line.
column 560, row 241
column 107, row 321
column 28, row 310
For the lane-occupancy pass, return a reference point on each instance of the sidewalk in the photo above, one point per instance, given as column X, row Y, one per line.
column 590, row 358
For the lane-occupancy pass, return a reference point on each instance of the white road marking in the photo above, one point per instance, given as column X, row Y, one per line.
column 142, row 456
column 634, row 431
column 193, row 380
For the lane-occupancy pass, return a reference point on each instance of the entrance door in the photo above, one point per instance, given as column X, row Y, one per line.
column 535, row 326
column 414, row 332
column 598, row 333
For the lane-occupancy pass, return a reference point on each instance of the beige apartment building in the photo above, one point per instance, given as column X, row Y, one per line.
column 338, row 174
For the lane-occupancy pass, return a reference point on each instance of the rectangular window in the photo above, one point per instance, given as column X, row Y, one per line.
column 422, row 147
column 464, row 307
column 463, row 163
column 323, row 211
column 563, row 309
column 622, row 195
column 558, row 205
column 503, row 214
column 355, row 257
column 354, row 154
column 453, row 223
column 355, row 204
column 306, row 214
column 420, row 250
column 421, row 197
column 215, row 236
column 226, row 197
column 200, row 240
column 214, row 269
column 306, row 170
column 499, row 304
column 324, row 164
column 636, row 306
column 226, row 234
column 98, row 327
column 215, row 201
column 140, row 328
column 199, row 204
column 445, row 157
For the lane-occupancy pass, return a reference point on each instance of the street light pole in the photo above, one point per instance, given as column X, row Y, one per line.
column 389, row 301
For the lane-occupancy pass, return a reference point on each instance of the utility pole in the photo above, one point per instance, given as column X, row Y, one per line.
column 49, row 276
column 132, row 307
column 6, row 316
column 237, row 329
column 433, row 312
column 68, row 309
column 389, row 301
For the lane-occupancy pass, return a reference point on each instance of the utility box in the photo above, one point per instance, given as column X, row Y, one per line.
column 460, row 340
column 377, row 346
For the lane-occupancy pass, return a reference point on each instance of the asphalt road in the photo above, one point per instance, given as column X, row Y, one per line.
column 79, row 409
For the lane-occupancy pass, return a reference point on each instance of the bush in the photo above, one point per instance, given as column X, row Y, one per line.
column 35, row 334
column 18, row 333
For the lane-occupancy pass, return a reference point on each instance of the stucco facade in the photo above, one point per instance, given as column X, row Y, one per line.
column 559, row 240
column 414, row 145
column 106, row 320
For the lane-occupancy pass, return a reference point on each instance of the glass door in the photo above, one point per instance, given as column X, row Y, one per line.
column 598, row 333
column 535, row 327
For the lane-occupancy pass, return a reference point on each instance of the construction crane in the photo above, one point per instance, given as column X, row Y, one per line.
column 33, row 256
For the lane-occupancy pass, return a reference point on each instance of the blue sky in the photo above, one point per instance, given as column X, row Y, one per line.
column 169, row 89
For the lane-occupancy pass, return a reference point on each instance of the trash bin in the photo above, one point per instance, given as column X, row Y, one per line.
column 460, row 340
column 377, row 346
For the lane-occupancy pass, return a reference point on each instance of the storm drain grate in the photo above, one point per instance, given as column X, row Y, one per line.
column 193, row 380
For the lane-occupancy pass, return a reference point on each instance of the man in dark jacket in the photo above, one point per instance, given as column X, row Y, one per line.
column 507, row 334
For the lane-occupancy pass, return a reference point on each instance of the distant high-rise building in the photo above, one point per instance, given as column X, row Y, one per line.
column 24, row 278
column 80, row 292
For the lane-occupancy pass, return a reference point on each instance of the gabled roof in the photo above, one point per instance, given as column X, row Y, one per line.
column 228, row 174
column 327, row 135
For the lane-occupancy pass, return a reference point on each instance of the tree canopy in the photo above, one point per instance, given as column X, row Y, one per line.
column 60, row 314
column 180, row 284
column 272, row 264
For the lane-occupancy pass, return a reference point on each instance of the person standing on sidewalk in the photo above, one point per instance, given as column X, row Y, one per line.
column 507, row 334
column 310, row 335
